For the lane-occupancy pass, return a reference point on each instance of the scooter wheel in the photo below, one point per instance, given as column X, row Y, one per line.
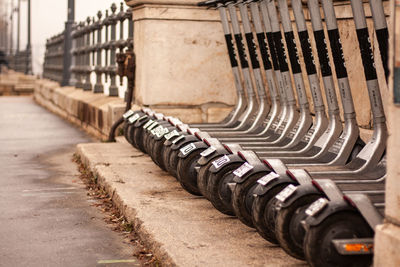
column 138, row 139
column 150, row 145
column 156, row 153
column 165, row 152
column 202, row 178
column 187, row 174
column 264, row 213
column 126, row 132
column 242, row 198
column 218, row 190
column 288, row 229
column 146, row 141
column 173, row 162
column 318, row 247
column 131, row 135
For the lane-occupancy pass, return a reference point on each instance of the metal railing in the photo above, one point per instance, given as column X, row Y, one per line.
column 21, row 61
column 96, row 44
column 54, row 58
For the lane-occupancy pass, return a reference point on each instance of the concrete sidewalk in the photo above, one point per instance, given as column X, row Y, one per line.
column 181, row 229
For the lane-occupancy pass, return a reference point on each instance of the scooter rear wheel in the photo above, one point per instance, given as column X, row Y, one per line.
column 288, row 229
column 126, row 132
column 156, row 153
column 137, row 139
column 165, row 152
column 187, row 174
column 203, row 177
column 173, row 162
column 264, row 216
column 318, row 247
column 219, row 191
column 242, row 198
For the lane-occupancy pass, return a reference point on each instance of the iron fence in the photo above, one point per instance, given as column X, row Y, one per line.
column 54, row 58
column 21, row 61
column 96, row 44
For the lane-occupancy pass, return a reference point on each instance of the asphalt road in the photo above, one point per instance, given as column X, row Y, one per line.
column 46, row 218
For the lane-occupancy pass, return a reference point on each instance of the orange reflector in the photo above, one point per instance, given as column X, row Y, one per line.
column 359, row 247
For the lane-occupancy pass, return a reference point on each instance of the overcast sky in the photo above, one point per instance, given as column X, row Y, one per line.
column 48, row 18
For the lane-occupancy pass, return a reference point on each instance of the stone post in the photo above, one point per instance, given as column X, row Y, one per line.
column 112, row 69
column 182, row 63
column 67, row 62
column 98, row 87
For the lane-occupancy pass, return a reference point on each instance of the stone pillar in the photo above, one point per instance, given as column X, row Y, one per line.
column 182, row 61
column 387, row 238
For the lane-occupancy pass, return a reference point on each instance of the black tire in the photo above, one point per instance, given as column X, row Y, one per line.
column 131, row 135
column 264, row 216
column 126, row 132
column 165, row 152
column 318, row 248
column 288, row 229
column 242, row 198
column 149, row 145
column 138, row 139
column 218, row 191
column 145, row 140
column 156, row 153
column 202, row 178
column 173, row 162
column 187, row 174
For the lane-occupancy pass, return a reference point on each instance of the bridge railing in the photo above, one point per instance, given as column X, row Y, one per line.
column 96, row 43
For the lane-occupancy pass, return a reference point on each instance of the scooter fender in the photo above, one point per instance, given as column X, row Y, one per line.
column 127, row 114
column 146, row 110
column 152, row 126
column 190, row 148
column 251, row 160
column 131, row 120
column 171, row 140
column 258, row 168
column 301, row 190
column 220, row 164
column 159, row 116
column 164, row 128
column 331, row 208
column 204, row 160
column 366, row 208
column 158, row 129
column 130, row 113
column 262, row 189
column 184, row 141
column 141, row 121
column 201, row 135
column 160, row 135
column 172, row 132
column 221, row 149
